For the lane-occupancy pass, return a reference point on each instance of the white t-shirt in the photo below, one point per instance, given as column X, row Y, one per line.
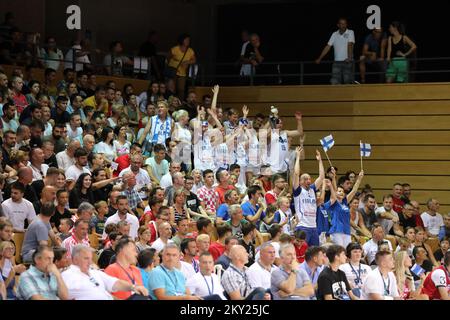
column 70, row 57
column 432, row 223
column 132, row 220
column 386, row 223
column 375, row 283
column 76, row 134
column 370, row 249
column 64, row 161
column 340, row 44
column 73, row 173
column 121, row 149
column 166, row 181
column 202, row 286
column 187, row 270
column 159, row 245
column 39, row 174
column 278, row 151
column 17, row 212
column 95, row 286
column 356, row 276
column 258, row 277
column 305, row 206
column 107, row 149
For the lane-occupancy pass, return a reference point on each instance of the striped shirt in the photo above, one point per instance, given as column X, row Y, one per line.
column 234, row 279
column 209, row 197
column 35, row 282
column 71, row 242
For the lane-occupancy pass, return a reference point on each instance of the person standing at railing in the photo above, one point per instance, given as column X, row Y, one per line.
column 251, row 58
column 115, row 61
column 397, row 53
column 51, row 56
column 180, row 58
column 342, row 41
column 373, row 53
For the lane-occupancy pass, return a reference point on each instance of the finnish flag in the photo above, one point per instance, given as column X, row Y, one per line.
column 417, row 270
column 327, row 142
column 365, row 149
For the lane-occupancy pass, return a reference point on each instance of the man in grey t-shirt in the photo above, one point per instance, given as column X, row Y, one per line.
column 38, row 232
column 289, row 282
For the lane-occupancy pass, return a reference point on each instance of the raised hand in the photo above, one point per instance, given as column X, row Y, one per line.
column 318, row 156
column 298, row 151
column 215, row 89
column 298, row 115
column 245, row 111
column 361, row 174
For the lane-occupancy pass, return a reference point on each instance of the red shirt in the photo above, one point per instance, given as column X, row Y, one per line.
column 130, row 275
column 300, row 251
column 153, row 231
column 123, row 163
column 398, row 205
column 419, row 222
column 216, row 249
column 20, row 101
column 149, row 214
column 271, row 197
column 439, row 277
column 221, row 192
column 267, row 185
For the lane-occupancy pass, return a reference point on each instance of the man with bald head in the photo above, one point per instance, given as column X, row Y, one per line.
column 165, row 233
column 177, row 184
column 25, row 176
column 66, row 158
column 143, row 182
column 48, row 195
column 166, row 180
column 305, row 198
column 235, row 280
column 129, row 190
column 37, row 164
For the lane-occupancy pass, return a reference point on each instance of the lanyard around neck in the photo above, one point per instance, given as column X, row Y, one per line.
column 358, row 274
column 386, row 287
column 132, row 279
column 211, row 291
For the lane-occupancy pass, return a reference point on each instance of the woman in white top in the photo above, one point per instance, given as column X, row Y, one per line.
column 183, row 135
column 105, row 146
column 121, row 145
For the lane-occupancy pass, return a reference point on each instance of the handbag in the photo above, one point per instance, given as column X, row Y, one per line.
column 171, row 72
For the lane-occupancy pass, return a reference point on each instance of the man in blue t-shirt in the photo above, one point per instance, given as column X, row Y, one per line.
column 231, row 197
column 254, row 207
column 373, row 53
column 165, row 281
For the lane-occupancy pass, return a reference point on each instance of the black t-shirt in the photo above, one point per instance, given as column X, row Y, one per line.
column 105, row 258
column 111, row 211
column 147, row 49
column 192, row 202
column 438, row 255
column 407, row 222
column 369, row 218
column 334, row 283
column 58, row 216
column 38, row 186
column 102, row 193
column 250, row 248
column 52, row 162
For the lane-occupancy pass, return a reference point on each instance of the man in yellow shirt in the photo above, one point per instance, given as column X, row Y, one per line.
column 98, row 100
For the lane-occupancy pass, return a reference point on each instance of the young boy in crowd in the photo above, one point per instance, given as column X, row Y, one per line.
column 98, row 221
column 64, row 228
column 300, row 245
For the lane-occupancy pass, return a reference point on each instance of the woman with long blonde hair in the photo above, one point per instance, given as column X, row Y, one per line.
column 405, row 280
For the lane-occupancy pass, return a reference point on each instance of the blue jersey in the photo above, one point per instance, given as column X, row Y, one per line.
column 323, row 224
column 340, row 216
column 222, row 212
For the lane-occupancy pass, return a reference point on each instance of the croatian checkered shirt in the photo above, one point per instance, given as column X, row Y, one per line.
column 209, row 197
column 71, row 242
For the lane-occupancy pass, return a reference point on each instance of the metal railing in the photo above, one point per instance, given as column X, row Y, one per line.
column 434, row 69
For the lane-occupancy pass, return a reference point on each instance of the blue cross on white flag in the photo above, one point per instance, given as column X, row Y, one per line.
column 365, row 149
column 327, row 143
column 417, row 270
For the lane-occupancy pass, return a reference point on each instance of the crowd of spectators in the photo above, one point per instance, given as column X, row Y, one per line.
column 114, row 194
